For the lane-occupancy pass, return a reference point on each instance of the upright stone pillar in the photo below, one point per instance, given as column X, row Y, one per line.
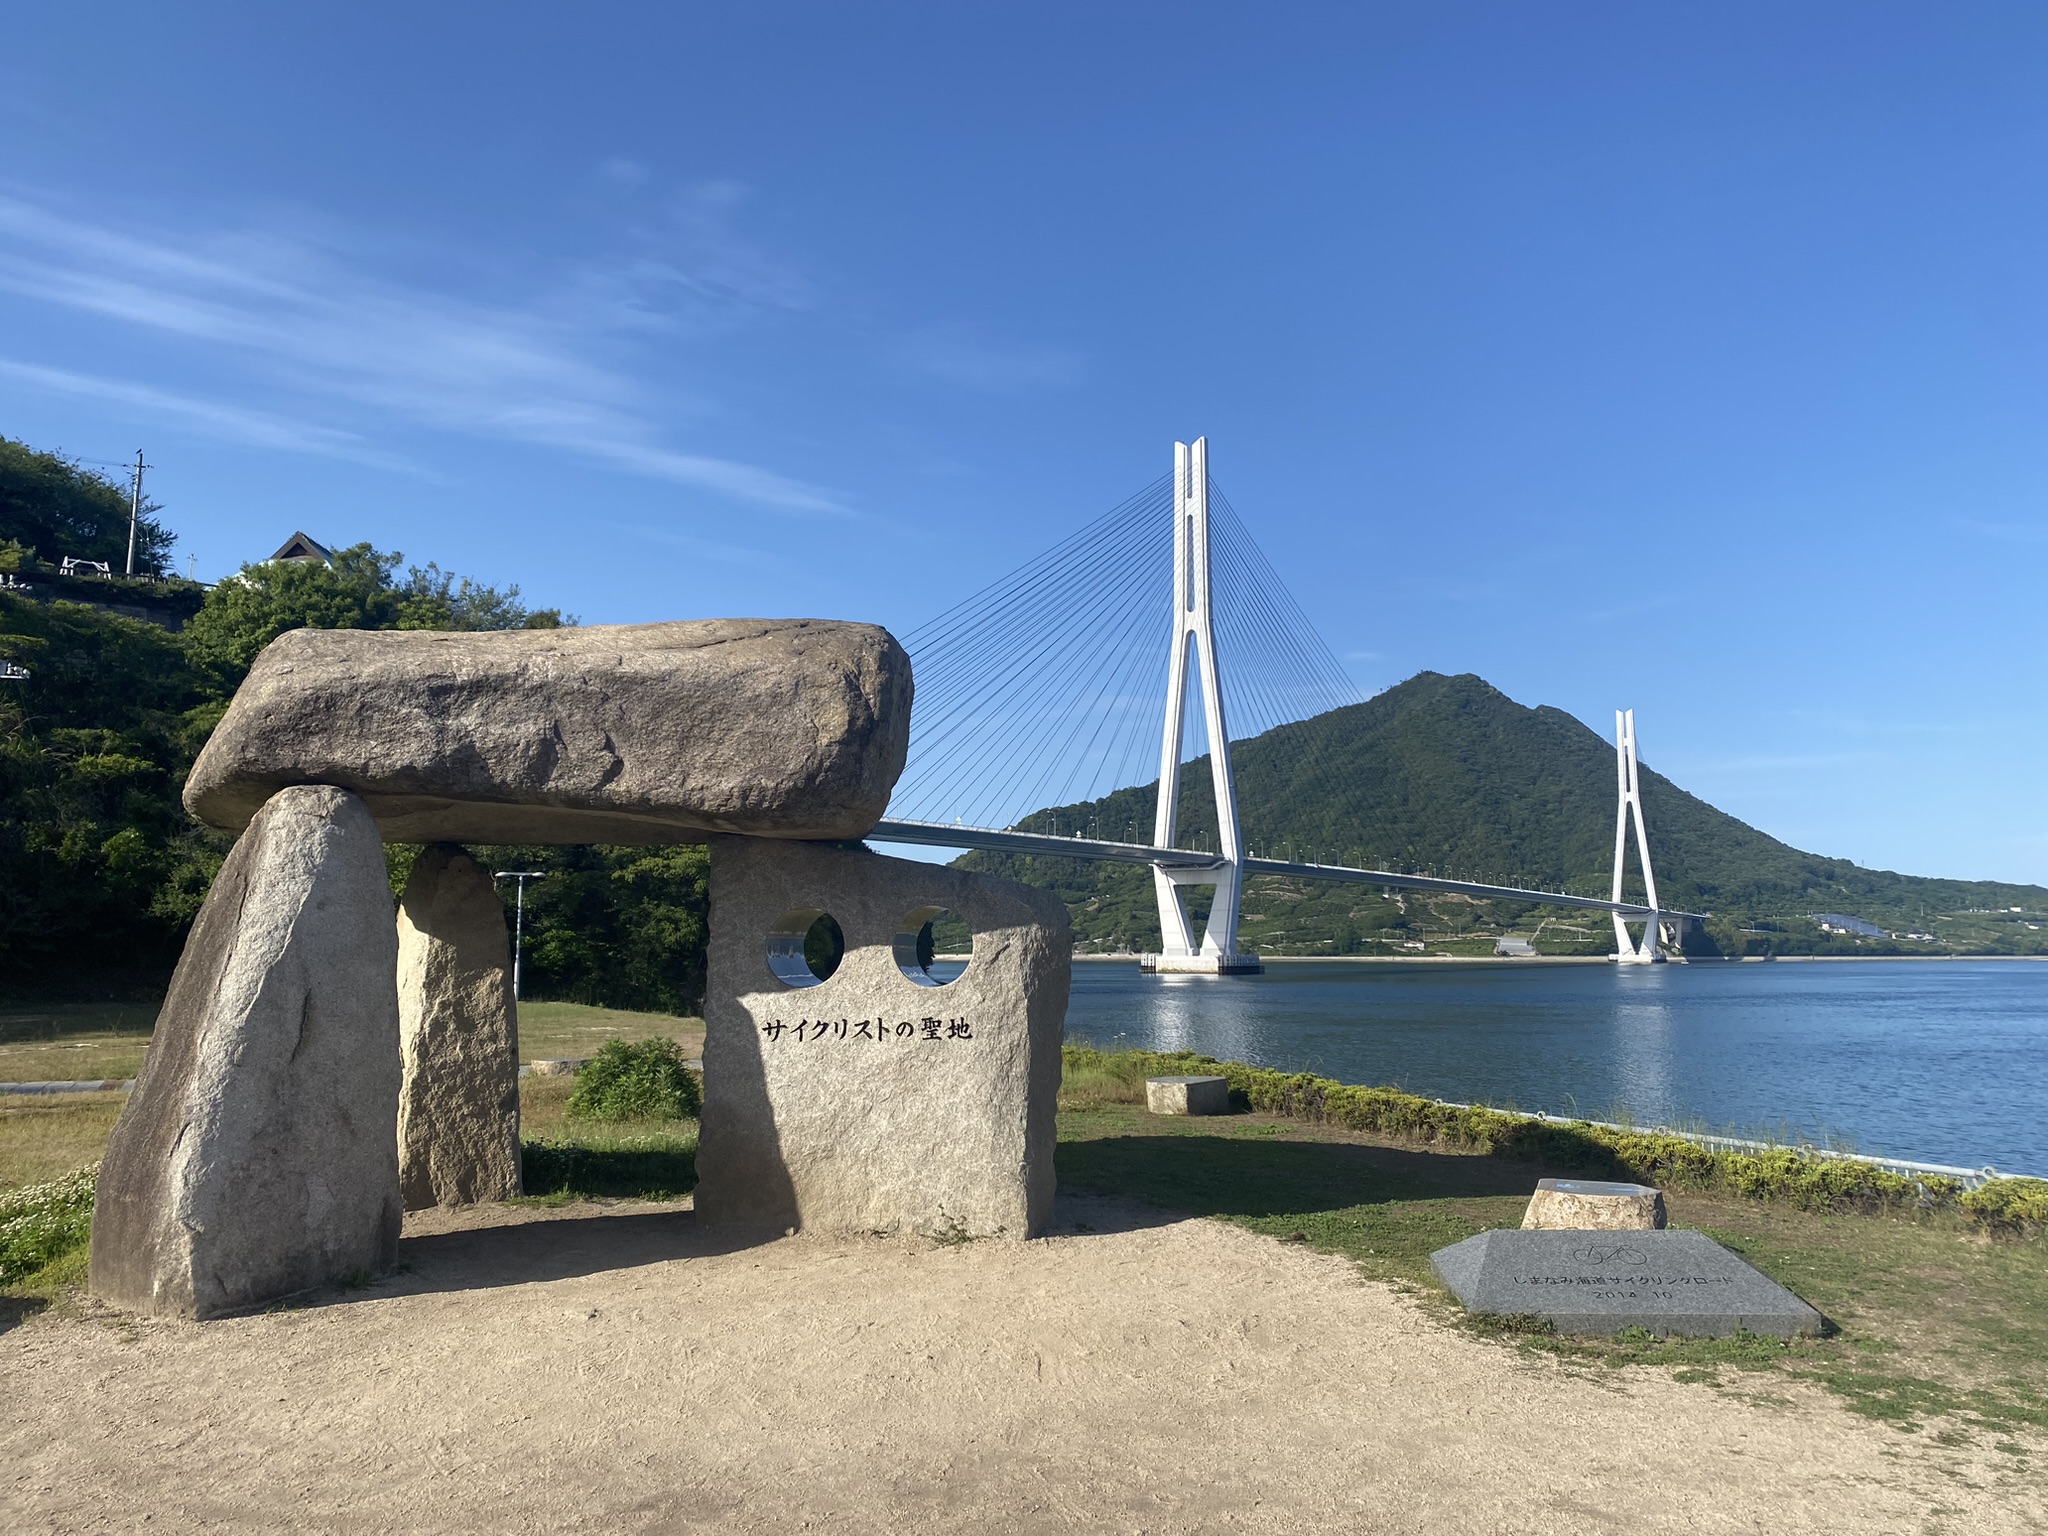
column 258, row 1154
column 876, row 1101
column 458, row 1111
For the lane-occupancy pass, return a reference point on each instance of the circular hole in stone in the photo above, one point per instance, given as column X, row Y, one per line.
column 925, row 940
column 805, row 947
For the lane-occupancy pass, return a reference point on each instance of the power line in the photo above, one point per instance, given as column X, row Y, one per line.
column 1045, row 687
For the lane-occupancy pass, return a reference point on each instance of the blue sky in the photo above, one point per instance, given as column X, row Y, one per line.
column 1691, row 360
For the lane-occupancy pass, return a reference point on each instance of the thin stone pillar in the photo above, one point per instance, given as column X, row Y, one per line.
column 458, row 1112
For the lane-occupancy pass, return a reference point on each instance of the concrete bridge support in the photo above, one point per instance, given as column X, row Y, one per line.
column 1194, row 639
column 1629, row 807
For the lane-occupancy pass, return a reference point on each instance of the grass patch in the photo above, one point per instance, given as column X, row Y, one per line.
column 1933, row 1323
column 77, row 1041
column 554, row 1031
column 2012, row 1207
column 45, row 1135
column 564, row 1158
column 74, row 1041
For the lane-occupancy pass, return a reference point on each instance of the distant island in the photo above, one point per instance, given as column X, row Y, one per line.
column 1449, row 776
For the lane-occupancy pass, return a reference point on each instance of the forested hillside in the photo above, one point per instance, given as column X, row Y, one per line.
column 101, row 870
column 1447, row 775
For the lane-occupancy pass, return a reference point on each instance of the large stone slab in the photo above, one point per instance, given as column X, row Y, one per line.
column 458, row 1036
column 258, row 1153
column 874, row 1101
column 643, row 733
column 1672, row 1283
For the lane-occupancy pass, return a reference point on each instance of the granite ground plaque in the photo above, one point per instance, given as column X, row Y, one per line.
column 1681, row 1283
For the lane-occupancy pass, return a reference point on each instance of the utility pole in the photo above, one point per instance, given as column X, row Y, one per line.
column 135, row 508
column 518, row 915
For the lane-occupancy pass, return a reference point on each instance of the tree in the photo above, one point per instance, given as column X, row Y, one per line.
column 617, row 927
column 51, row 506
column 101, row 870
column 359, row 590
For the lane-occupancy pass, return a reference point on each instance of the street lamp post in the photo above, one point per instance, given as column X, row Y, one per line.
column 518, row 915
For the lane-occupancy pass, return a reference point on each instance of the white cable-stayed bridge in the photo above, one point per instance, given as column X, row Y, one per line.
column 1139, row 647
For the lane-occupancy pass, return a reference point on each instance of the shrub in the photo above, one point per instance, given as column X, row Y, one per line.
column 645, row 1080
column 2016, row 1206
column 2012, row 1206
column 42, row 1223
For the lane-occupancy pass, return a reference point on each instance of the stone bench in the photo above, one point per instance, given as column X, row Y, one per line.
column 1591, row 1205
column 555, row 1066
column 1187, row 1095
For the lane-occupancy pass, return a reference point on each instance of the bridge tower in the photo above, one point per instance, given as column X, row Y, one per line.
column 1628, row 777
column 1194, row 638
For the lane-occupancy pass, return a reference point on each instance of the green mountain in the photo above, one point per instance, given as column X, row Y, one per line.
column 1449, row 776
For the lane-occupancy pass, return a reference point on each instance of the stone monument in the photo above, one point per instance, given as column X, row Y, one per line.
column 877, row 1100
column 458, row 1038
column 258, row 1154
column 1672, row 1283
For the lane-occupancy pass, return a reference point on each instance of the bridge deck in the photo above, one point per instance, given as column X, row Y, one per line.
column 936, row 834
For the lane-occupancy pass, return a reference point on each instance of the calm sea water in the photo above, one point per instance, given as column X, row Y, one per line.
column 1944, row 1062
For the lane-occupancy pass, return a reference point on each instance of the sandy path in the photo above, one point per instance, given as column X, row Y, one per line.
column 599, row 1371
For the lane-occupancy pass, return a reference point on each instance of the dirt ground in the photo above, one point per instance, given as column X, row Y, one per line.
column 622, row 1369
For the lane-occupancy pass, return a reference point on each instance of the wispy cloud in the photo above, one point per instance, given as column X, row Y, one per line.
column 259, row 429
column 706, row 549
column 347, row 339
column 956, row 355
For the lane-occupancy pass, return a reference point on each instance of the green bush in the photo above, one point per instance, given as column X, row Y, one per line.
column 42, row 1223
column 2013, row 1206
column 640, row 1081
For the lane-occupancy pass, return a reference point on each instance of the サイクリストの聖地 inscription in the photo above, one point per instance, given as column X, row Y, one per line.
column 879, row 1031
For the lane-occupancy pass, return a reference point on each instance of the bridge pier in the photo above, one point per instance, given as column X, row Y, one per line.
column 1194, row 641
column 1629, row 808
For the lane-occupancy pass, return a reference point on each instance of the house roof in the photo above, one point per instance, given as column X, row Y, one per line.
column 302, row 547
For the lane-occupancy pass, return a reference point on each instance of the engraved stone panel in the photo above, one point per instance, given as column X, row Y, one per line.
column 1672, row 1283
column 874, row 1100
